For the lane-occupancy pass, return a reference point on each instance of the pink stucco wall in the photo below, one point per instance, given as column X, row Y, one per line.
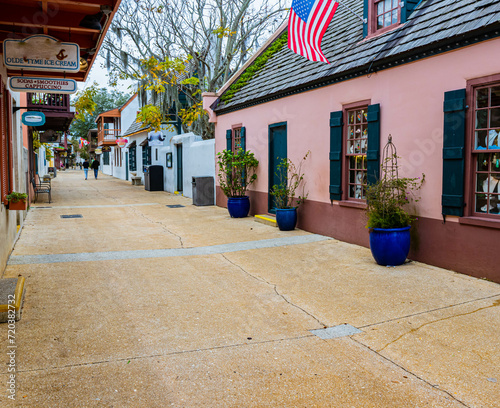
column 411, row 99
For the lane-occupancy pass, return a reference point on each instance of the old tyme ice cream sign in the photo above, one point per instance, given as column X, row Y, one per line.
column 41, row 52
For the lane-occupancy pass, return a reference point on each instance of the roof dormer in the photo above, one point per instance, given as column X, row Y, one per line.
column 384, row 15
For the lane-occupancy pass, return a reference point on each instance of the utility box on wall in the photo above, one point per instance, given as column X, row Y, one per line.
column 203, row 191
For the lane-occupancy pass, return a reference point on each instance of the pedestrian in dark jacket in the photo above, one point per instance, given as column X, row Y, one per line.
column 86, row 166
column 95, row 166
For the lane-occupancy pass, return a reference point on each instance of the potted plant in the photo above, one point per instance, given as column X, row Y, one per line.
column 17, row 201
column 390, row 215
column 236, row 173
column 291, row 177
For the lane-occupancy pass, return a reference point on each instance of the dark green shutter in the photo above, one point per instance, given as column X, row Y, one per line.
column 373, row 153
column 243, row 135
column 452, row 199
column 407, row 9
column 336, row 155
column 133, row 158
column 229, row 139
column 365, row 16
column 146, row 155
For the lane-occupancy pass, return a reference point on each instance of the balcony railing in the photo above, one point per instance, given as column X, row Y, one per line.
column 56, row 102
column 107, row 136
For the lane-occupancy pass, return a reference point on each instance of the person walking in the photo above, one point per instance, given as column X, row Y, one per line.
column 86, row 168
column 95, row 166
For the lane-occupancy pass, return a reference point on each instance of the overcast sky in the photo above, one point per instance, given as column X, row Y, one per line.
column 100, row 75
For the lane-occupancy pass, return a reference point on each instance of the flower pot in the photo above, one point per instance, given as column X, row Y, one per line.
column 238, row 207
column 286, row 218
column 20, row 205
column 390, row 247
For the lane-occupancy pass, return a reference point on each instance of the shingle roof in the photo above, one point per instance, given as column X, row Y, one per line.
column 135, row 127
column 434, row 25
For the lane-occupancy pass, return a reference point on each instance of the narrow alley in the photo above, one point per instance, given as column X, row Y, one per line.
column 140, row 299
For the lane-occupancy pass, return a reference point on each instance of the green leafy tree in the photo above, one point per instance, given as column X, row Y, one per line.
column 176, row 50
column 90, row 103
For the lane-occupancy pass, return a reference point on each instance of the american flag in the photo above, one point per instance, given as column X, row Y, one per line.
column 306, row 26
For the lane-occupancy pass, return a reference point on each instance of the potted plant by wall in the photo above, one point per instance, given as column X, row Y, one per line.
column 17, row 201
column 291, row 177
column 236, row 173
column 389, row 208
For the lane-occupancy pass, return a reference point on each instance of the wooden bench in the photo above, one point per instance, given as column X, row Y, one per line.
column 42, row 188
column 136, row 180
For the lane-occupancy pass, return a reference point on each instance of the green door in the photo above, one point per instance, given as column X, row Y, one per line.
column 277, row 152
column 126, row 166
column 180, row 186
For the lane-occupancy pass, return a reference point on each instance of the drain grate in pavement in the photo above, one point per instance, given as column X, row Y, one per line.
column 336, row 331
column 72, row 216
column 175, row 206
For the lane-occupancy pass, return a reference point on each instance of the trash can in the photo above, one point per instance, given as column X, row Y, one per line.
column 153, row 178
column 203, row 191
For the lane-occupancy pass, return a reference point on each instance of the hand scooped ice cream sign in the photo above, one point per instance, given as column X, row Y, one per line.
column 41, row 52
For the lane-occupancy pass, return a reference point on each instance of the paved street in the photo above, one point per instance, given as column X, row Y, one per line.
column 137, row 304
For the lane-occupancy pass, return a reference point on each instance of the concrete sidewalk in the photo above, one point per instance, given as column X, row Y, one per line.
column 137, row 304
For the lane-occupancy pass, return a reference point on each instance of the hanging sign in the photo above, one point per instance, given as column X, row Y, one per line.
column 32, row 84
column 41, row 52
column 98, row 151
column 121, row 142
column 33, row 118
column 155, row 139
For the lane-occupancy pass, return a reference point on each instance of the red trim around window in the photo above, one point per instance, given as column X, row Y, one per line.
column 346, row 200
column 471, row 216
column 372, row 19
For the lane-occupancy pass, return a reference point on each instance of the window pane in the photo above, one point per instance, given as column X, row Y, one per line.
column 482, row 162
column 351, row 118
column 357, row 147
column 482, row 98
column 481, row 139
column 387, row 5
column 481, row 201
column 394, row 17
column 380, row 22
column 351, row 191
column 482, row 182
column 387, row 19
column 495, row 117
column 380, row 8
column 495, row 165
column 350, row 132
column 493, row 139
column 395, row 3
column 495, row 96
column 481, row 119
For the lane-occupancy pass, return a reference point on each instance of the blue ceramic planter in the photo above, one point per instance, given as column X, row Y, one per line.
column 238, row 207
column 286, row 218
column 390, row 247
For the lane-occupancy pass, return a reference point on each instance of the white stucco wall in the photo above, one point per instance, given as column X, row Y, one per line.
column 128, row 114
column 198, row 160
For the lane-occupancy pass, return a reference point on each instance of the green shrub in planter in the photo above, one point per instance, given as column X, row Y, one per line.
column 15, row 197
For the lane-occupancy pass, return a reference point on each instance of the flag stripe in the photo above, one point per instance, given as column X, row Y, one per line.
column 304, row 37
